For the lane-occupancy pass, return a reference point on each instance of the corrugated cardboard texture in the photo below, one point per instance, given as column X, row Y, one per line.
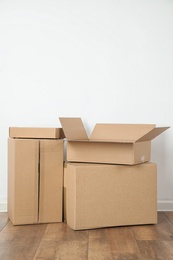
column 73, row 128
column 114, row 153
column 153, row 134
column 23, row 181
column 35, row 181
column 33, row 132
column 122, row 133
column 51, row 181
column 64, row 193
column 110, row 195
column 109, row 143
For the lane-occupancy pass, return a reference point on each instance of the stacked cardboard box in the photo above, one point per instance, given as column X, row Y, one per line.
column 108, row 178
column 110, row 195
column 35, row 175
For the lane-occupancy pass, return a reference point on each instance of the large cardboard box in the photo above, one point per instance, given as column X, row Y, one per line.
column 109, row 143
column 35, row 180
column 99, row 195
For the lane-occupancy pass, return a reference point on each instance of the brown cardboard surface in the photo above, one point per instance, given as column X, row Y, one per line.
column 35, row 181
column 23, row 181
column 99, row 195
column 51, row 181
column 128, row 133
column 64, row 192
column 113, row 153
column 109, row 143
column 35, row 132
column 153, row 134
column 121, row 133
column 74, row 128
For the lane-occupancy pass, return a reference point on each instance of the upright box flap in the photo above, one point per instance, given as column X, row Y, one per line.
column 73, row 128
column 120, row 132
column 152, row 134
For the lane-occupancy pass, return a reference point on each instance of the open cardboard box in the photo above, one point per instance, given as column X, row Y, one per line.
column 102, row 195
column 109, row 143
column 35, row 176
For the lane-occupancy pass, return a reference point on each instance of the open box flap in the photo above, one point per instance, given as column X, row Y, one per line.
column 129, row 133
column 73, row 128
column 152, row 134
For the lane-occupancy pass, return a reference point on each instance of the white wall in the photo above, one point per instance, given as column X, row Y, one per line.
column 105, row 61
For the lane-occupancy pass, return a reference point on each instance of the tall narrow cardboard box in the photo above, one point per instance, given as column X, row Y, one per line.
column 35, row 177
column 23, row 182
column 51, row 181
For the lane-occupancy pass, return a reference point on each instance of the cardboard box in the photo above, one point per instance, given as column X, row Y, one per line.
column 109, row 143
column 35, row 180
column 100, row 195
column 36, row 132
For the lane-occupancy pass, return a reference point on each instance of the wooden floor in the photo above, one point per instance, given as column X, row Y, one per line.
column 58, row 241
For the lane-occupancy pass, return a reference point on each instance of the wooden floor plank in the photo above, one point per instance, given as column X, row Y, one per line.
column 169, row 215
column 58, row 241
column 123, row 243
column 99, row 245
column 20, row 242
column 113, row 243
column 61, row 242
column 156, row 250
column 62, row 250
column 62, row 232
column 161, row 231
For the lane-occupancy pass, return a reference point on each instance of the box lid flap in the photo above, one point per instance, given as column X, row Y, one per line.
column 153, row 133
column 73, row 128
column 36, row 132
column 120, row 132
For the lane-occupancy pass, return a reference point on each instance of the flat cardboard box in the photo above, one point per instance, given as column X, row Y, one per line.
column 109, row 143
column 35, row 180
column 36, row 132
column 101, row 195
